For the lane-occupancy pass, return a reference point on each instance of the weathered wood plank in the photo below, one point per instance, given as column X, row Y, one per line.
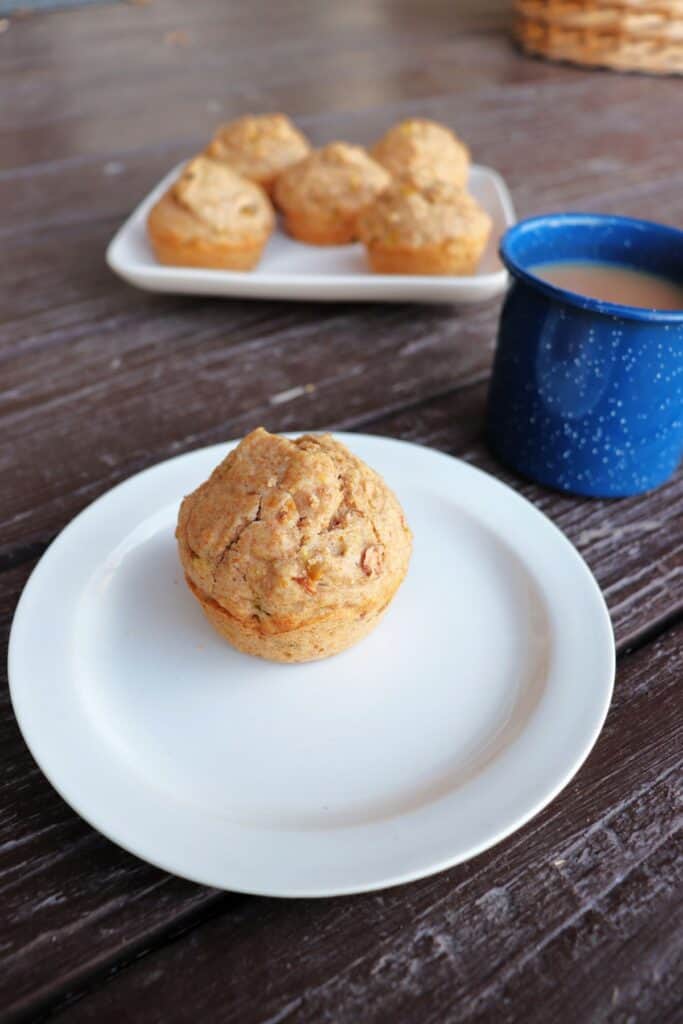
column 369, row 51
column 401, row 57
column 545, row 926
column 499, row 120
column 100, row 408
column 92, row 40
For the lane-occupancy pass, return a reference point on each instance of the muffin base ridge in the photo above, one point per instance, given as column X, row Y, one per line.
column 438, row 260
column 309, row 642
column 198, row 250
column 317, row 230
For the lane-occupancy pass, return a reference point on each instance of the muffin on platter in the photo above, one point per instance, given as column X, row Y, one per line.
column 422, row 153
column 437, row 230
column 323, row 195
column 211, row 217
column 259, row 147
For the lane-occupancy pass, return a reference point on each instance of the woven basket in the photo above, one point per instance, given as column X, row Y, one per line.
column 630, row 35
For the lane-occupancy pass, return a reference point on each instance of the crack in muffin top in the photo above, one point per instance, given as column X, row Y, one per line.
column 222, row 200
column 404, row 216
column 288, row 532
column 259, row 146
column 337, row 177
column 421, row 152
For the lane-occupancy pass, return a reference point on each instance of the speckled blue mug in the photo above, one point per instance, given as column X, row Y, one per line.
column 587, row 396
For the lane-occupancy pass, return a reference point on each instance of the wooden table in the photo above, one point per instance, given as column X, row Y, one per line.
column 576, row 917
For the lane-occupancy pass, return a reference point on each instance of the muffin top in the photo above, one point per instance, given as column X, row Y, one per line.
column 422, row 152
column 289, row 532
column 337, row 178
column 405, row 217
column 224, row 202
column 259, row 147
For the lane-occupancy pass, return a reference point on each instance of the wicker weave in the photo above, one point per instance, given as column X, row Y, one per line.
column 630, row 35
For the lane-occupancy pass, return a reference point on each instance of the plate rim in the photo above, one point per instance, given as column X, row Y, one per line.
column 390, row 877
column 267, row 284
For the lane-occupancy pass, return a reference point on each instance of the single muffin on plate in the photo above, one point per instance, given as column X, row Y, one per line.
column 294, row 549
column 421, row 153
column 259, row 147
column 439, row 230
column 211, row 217
column 322, row 195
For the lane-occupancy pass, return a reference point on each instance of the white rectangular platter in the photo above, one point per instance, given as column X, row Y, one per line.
column 292, row 270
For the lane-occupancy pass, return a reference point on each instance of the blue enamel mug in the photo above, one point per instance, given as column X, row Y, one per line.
column 586, row 396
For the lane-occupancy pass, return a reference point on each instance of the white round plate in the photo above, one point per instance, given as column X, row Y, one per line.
column 461, row 716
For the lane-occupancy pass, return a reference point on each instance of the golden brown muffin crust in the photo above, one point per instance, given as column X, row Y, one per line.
column 224, row 202
column 291, row 534
column 421, row 152
column 322, row 195
column 259, row 147
column 410, row 218
column 211, row 218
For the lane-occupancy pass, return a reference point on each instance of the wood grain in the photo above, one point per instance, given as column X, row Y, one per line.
column 143, row 365
column 573, row 919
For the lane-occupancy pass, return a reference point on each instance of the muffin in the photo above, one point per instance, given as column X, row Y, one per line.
column 422, row 153
column 211, row 217
column 441, row 230
column 294, row 549
column 323, row 194
column 259, row 147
